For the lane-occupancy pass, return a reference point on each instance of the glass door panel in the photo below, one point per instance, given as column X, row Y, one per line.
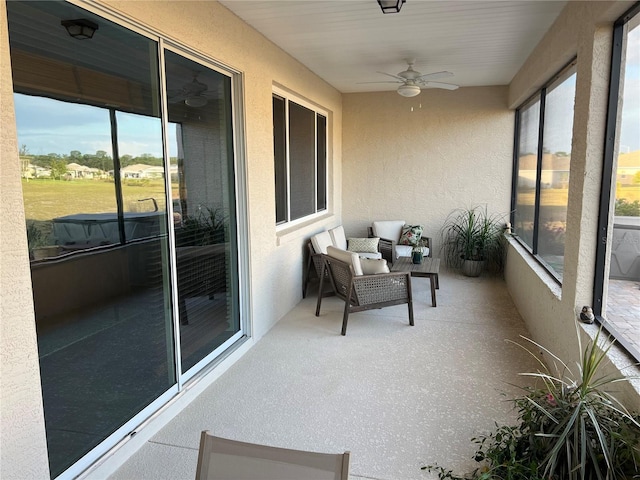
column 98, row 246
column 203, row 197
column 622, row 310
column 527, row 172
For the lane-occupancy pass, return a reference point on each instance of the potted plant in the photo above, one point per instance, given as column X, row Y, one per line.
column 206, row 227
column 569, row 427
column 417, row 252
column 471, row 238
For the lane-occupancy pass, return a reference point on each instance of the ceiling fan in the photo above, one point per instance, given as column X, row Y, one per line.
column 412, row 82
column 193, row 94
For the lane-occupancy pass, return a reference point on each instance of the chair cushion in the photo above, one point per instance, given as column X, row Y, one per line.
column 410, row 234
column 407, row 250
column 338, row 237
column 321, row 241
column 372, row 266
column 346, row 257
column 365, row 245
column 389, row 229
column 369, row 255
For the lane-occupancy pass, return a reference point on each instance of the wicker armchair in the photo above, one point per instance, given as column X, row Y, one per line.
column 364, row 292
column 389, row 234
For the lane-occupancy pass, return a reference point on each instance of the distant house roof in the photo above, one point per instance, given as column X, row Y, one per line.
column 74, row 167
column 138, row 167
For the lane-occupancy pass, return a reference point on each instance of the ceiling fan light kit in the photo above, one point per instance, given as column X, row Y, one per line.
column 80, row 29
column 391, row 6
column 409, row 90
column 195, row 101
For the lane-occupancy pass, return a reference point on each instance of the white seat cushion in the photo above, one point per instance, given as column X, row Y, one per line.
column 388, row 229
column 407, row 250
column 321, row 241
column 338, row 237
column 347, row 257
column 369, row 255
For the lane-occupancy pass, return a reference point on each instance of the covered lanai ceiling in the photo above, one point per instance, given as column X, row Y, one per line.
column 347, row 41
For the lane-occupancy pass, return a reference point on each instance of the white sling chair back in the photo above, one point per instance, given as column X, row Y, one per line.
column 223, row 459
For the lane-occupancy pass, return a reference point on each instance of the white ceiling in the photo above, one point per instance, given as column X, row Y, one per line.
column 348, row 41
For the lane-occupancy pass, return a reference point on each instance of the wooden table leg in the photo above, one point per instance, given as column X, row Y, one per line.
column 433, row 280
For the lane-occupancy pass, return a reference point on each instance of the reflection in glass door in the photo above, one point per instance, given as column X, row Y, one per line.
column 100, row 175
column 204, row 218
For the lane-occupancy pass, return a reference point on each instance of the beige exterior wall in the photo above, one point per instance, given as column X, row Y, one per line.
column 583, row 30
column 23, row 447
column 417, row 166
column 275, row 257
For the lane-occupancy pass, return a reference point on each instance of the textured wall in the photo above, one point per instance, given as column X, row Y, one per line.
column 23, row 446
column 584, row 30
column 417, row 166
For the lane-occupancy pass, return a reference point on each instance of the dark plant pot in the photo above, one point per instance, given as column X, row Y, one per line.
column 472, row 268
column 416, row 257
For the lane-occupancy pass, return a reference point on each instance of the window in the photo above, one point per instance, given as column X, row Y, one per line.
column 543, row 156
column 300, row 156
column 116, row 193
column 617, row 286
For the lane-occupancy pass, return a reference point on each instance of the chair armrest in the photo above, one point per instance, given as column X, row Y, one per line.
column 388, row 249
column 382, row 287
column 428, row 242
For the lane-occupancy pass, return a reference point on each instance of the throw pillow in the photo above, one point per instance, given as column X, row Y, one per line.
column 372, row 266
column 410, row 235
column 365, row 245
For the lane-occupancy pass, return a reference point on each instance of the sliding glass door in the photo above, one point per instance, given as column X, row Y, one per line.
column 204, row 218
column 130, row 216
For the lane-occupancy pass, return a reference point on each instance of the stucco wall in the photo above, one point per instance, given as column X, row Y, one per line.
column 584, row 29
column 275, row 257
column 23, row 446
column 455, row 151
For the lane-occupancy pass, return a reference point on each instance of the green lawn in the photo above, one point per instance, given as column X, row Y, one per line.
column 45, row 199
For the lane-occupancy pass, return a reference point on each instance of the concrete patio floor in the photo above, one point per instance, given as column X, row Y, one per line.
column 397, row 397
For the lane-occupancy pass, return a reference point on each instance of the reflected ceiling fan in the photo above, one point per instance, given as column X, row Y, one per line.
column 412, row 82
column 193, row 94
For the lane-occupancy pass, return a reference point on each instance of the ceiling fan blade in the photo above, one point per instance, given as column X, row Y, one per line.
column 392, row 76
column 361, row 83
column 434, row 76
column 446, row 86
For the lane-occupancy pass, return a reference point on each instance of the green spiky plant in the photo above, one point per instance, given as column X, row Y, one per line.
column 472, row 234
column 570, row 428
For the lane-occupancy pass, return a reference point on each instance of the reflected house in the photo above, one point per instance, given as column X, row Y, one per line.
column 82, row 171
column 142, row 170
column 628, row 172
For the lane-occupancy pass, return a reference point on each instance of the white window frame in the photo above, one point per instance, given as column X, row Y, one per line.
column 287, row 96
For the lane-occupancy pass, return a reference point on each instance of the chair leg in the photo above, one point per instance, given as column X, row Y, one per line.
column 320, row 288
column 306, row 280
column 345, row 318
column 410, row 301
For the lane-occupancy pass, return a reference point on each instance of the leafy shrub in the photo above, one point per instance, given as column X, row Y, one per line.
column 627, row 209
column 570, row 429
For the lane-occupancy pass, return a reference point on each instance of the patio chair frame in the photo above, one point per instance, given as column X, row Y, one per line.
column 364, row 292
